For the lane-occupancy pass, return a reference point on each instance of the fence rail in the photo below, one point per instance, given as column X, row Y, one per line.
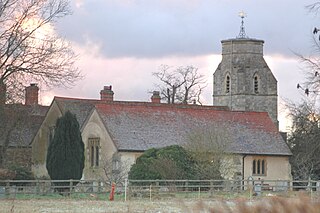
column 153, row 189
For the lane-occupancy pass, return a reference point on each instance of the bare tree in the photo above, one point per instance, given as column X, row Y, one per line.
column 312, row 63
column 180, row 85
column 304, row 138
column 116, row 170
column 304, row 141
column 313, row 7
column 30, row 49
column 168, row 169
column 209, row 148
column 311, row 86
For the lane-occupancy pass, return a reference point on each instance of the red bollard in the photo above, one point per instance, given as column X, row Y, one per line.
column 113, row 186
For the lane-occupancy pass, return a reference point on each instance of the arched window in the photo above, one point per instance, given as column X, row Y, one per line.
column 259, row 167
column 97, row 156
column 262, row 167
column 92, row 155
column 94, row 151
column 227, row 84
column 256, row 84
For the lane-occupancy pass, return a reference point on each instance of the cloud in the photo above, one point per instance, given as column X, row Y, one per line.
column 159, row 28
column 78, row 3
column 121, row 42
column 130, row 77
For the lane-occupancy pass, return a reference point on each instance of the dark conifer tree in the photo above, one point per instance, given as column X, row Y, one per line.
column 65, row 157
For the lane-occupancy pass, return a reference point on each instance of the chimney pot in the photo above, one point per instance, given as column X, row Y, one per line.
column 106, row 94
column 32, row 93
column 107, row 87
column 155, row 98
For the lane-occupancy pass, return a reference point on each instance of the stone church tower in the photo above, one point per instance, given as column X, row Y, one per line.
column 243, row 81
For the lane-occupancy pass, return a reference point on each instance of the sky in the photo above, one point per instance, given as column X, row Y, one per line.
column 121, row 42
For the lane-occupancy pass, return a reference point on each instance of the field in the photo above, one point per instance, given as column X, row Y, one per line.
column 161, row 197
column 89, row 206
column 261, row 204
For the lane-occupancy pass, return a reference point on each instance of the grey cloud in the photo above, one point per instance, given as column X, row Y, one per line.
column 157, row 28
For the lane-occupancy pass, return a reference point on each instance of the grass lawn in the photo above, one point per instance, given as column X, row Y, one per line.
column 222, row 203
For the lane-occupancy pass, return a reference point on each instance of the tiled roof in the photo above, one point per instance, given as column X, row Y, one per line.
column 21, row 124
column 80, row 107
column 138, row 126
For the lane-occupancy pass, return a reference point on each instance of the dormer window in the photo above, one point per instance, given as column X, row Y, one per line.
column 256, row 84
column 227, row 84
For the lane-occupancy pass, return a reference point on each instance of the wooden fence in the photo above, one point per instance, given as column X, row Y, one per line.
column 154, row 189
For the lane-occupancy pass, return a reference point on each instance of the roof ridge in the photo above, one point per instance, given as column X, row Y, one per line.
column 162, row 105
column 99, row 102
column 79, row 99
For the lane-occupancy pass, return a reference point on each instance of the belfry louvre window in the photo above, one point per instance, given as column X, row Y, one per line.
column 256, row 84
column 259, row 167
column 94, row 151
column 227, row 84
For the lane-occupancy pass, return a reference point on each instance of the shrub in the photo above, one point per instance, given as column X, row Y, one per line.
column 21, row 173
column 65, row 158
column 6, row 174
column 171, row 162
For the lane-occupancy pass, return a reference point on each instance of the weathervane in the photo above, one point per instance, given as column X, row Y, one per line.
column 242, row 33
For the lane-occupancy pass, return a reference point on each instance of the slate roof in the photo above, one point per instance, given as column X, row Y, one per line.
column 138, row 126
column 21, row 123
column 80, row 107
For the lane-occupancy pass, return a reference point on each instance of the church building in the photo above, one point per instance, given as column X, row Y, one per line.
column 116, row 133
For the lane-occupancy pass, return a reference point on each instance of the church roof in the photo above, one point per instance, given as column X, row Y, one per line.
column 138, row 126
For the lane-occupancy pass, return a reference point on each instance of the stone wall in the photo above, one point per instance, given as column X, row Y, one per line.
column 277, row 168
column 40, row 142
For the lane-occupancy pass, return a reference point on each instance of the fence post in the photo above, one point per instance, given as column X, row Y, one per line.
column 187, row 188
column 38, row 187
column 101, row 185
column 156, row 191
column 70, row 186
column 125, row 189
column 150, row 191
column 250, row 184
column 7, row 188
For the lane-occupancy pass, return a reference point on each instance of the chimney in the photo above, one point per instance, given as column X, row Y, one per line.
column 106, row 94
column 155, row 98
column 3, row 91
column 32, row 92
